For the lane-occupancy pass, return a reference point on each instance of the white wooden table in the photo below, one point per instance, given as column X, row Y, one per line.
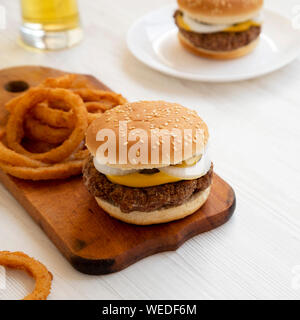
column 255, row 141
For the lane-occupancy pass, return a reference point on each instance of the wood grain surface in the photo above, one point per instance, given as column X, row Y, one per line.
column 93, row 242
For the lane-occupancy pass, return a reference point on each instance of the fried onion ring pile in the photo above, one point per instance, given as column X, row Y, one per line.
column 57, row 117
column 21, row 261
column 54, row 117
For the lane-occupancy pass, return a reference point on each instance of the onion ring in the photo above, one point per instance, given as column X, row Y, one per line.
column 53, row 117
column 34, row 96
column 23, row 167
column 16, row 159
column 21, row 261
column 57, row 118
column 94, row 107
column 36, row 130
column 81, row 154
column 96, row 102
column 61, row 170
column 94, row 95
column 68, row 81
column 10, row 105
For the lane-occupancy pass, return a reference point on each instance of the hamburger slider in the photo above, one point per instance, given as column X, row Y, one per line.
column 219, row 29
column 149, row 162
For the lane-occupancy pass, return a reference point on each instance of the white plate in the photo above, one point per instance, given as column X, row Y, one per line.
column 153, row 41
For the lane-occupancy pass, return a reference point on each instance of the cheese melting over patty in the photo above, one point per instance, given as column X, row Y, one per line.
column 189, row 24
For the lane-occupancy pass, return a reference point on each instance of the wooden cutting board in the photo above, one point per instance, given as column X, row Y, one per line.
column 92, row 241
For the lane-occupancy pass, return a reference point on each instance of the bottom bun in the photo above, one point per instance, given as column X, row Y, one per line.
column 221, row 55
column 157, row 216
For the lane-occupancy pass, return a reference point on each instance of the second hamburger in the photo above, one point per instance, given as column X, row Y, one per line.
column 219, row 29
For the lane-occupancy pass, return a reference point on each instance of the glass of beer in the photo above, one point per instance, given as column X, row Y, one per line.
column 50, row 24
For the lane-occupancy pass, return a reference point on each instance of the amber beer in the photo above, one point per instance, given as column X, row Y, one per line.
column 50, row 24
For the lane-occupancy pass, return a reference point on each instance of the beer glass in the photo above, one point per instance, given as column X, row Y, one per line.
column 50, row 24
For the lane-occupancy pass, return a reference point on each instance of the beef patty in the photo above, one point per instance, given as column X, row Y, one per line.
column 142, row 199
column 220, row 41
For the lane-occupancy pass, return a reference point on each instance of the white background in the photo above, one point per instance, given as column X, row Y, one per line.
column 255, row 144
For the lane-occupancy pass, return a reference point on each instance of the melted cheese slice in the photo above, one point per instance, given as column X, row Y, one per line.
column 244, row 26
column 205, row 28
column 182, row 23
column 141, row 180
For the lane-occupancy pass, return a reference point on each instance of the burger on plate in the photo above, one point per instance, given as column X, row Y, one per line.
column 149, row 162
column 219, row 29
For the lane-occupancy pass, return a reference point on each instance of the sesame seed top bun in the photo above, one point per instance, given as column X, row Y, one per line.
column 221, row 11
column 151, row 116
